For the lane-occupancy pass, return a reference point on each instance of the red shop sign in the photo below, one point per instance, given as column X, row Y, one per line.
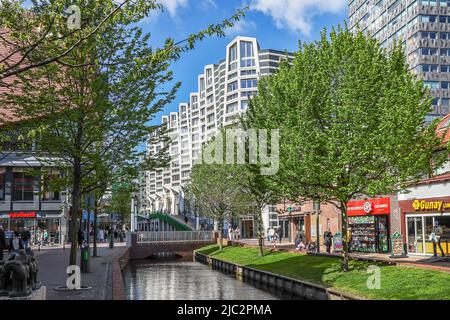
column 369, row 207
column 31, row 214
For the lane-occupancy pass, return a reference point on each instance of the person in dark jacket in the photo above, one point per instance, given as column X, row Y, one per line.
column 327, row 236
column 25, row 236
column 80, row 238
column 2, row 242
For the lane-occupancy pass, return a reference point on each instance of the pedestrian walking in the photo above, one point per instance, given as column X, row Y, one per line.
column 230, row 234
column 271, row 234
column 45, row 237
column 279, row 233
column 327, row 236
column 25, row 236
column 80, row 238
column 2, row 242
column 101, row 235
column 237, row 232
column 349, row 238
column 435, row 237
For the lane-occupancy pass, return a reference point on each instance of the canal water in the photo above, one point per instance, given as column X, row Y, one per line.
column 186, row 280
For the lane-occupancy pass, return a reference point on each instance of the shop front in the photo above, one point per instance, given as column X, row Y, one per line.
column 368, row 221
column 38, row 223
column 420, row 216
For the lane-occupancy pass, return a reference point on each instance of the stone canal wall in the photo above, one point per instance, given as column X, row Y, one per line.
column 118, row 284
column 302, row 289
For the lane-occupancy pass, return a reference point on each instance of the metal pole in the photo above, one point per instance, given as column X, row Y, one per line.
column 317, row 210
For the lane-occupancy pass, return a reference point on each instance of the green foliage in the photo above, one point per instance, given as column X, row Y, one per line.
column 90, row 108
column 397, row 282
column 352, row 121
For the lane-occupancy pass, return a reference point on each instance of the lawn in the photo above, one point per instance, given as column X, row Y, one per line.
column 397, row 282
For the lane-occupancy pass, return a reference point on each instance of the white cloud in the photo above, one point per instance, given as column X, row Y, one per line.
column 240, row 28
column 297, row 15
column 172, row 5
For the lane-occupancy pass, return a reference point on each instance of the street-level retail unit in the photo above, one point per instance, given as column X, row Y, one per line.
column 420, row 215
column 35, row 221
column 369, row 223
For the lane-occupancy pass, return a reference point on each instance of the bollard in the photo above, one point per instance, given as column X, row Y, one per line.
column 111, row 241
column 84, row 258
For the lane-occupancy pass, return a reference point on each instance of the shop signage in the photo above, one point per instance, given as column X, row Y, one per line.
column 369, row 207
column 15, row 215
column 337, row 240
column 425, row 205
column 397, row 245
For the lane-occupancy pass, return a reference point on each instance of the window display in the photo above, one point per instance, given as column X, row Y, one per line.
column 363, row 233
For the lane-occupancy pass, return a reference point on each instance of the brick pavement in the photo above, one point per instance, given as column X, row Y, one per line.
column 52, row 273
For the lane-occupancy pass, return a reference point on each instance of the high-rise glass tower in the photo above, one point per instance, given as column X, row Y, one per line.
column 423, row 27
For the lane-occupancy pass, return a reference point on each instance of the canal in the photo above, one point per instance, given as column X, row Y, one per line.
column 186, row 280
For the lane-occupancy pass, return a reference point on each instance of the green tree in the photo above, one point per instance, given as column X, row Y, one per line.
column 36, row 36
column 93, row 109
column 216, row 186
column 352, row 121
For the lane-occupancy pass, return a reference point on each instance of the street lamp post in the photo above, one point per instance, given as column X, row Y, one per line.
column 316, row 208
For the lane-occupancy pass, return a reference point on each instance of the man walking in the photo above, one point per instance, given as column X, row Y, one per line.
column 26, row 235
column 327, row 236
column 436, row 236
column 2, row 242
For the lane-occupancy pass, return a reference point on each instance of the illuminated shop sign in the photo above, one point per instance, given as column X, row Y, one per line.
column 426, row 205
column 369, row 207
column 23, row 214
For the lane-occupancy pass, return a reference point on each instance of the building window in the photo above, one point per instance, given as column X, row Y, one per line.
column 48, row 193
column 428, row 18
column 428, row 2
column 429, row 35
column 445, row 68
column 429, row 68
column 429, row 51
column 444, row 19
column 248, row 72
column 251, row 83
column 2, row 184
column 232, row 86
column 247, row 54
column 445, row 52
column 232, row 107
column 22, row 186
column 445, row 85
column 431, row 84
column 445, row 35
column 233, row 57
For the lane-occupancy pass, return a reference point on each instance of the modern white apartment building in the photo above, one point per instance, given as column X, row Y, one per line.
column 224, row 90
column 423, row 26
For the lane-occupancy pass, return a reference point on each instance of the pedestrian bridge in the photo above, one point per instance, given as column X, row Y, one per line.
column 144, row 244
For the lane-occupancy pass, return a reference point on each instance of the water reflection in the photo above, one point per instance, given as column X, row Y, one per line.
column 185, row 280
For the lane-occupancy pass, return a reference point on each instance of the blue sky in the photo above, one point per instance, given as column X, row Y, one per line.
column 278, row 24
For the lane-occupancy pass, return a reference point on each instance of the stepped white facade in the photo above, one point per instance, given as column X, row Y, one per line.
column 224, row 90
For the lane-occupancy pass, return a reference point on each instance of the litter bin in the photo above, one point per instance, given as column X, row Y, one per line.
column 84, row 261
column 111, row 241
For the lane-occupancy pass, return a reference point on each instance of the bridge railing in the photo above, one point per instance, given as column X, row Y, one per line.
column 152, row 237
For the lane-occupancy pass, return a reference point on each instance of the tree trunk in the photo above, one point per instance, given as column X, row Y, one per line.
column 94, row 252
column 345, row 238
column 220, row 227
column 76, row 198
column 260, row 232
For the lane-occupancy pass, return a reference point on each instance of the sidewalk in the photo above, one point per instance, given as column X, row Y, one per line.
column 425, row 262
column 53, row 263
